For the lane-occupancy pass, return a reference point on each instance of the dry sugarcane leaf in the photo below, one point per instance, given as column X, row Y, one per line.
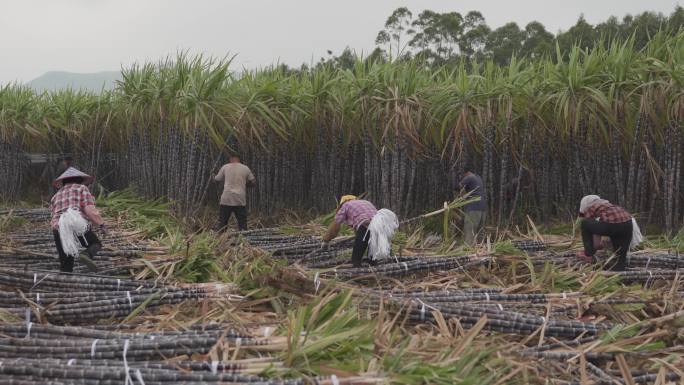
column 584, row 378
column 624, row 369
column 468, row 338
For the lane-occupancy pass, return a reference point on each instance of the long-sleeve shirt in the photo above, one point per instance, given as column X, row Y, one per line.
column 356, row 213
column 473, row 183
column 608, row 212
column 72, row 195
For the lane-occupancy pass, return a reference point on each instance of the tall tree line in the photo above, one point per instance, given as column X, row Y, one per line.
column 442, row 38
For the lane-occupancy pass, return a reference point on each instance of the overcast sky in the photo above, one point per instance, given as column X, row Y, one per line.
column 98, row 35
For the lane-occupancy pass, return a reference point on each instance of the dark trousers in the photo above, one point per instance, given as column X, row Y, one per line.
column 240, row 213
column 620, row 236
column 360, row 245
column 89, row 240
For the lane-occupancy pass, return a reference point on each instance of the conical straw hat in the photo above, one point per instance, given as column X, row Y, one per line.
column 72, row 172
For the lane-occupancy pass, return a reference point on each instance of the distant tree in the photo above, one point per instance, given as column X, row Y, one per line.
column 436, row 36
column 675, row 22
column 345, row 60
column 538, row 41
column 425, row 33
column 475, row 33
column 610, row 29
column 645, row 26
column 442, row 38
column 397, row 29
column 505, row 41
column 582, row 34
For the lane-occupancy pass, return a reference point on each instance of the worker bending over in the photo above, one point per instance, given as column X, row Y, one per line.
column 601, row 217
column 374, row 228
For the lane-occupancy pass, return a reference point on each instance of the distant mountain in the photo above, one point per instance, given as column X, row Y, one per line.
column 55, row 80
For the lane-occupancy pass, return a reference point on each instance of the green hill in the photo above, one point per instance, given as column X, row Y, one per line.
column 92, row 81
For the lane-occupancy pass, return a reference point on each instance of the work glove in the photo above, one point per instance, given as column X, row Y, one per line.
column 325, row 246
column 103, row 229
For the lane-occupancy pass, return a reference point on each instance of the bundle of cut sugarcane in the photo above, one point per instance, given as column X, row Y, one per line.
column 102, row 332
column 419, row 265
column 656, row 261
column 39, row 280
column 458, row 296
column 645, row 276
column 321, row 260
column 504, row 321
column 32, row 215
column 83, row 310
column 637, row 379
column 336, row 258
column 539, row 259
column 112, row 266
column 529, row 245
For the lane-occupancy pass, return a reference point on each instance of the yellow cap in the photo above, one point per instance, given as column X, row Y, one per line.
column 347, row 198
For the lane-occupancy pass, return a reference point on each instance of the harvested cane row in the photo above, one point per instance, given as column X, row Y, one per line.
column 656, row 261
column 413, row 266
column 38, row 298
column 529, row 245
column 74, row 298
column 88, row 356
column 34, row 248
column 29, row 214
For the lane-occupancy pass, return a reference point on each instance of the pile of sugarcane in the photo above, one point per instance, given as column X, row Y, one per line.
column 76, row 298
column 659, row 260
column 414, row 265
column 646, row 277
column 34, row 248
column 301, row 249
column 511, row 313
column 30, row 214
column 37, row 354
column 529, row 245
column 609, row 374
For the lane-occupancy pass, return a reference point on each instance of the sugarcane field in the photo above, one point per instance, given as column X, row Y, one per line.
column 451, row 203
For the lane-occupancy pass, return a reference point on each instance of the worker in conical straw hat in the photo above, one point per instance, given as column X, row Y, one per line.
column 73, row 214
column 601, row 217
column 374, row 228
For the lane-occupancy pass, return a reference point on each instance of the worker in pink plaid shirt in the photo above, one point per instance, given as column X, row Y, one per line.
column 356, row 213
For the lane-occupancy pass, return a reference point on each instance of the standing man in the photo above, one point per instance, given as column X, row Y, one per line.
column 236, row 177
column 475, row 212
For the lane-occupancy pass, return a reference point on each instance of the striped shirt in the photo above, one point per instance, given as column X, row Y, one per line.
column 356, row 213
column 71, row 195
column 608, row 212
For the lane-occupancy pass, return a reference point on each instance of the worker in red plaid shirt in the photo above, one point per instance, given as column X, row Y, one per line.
column 73, row 193
column 601, row 217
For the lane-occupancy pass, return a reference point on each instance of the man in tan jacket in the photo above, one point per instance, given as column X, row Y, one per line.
column 236, row 177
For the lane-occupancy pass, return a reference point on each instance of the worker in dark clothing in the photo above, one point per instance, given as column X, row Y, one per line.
column 475, row 212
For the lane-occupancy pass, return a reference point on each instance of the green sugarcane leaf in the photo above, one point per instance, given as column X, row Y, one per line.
column 140, row 308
